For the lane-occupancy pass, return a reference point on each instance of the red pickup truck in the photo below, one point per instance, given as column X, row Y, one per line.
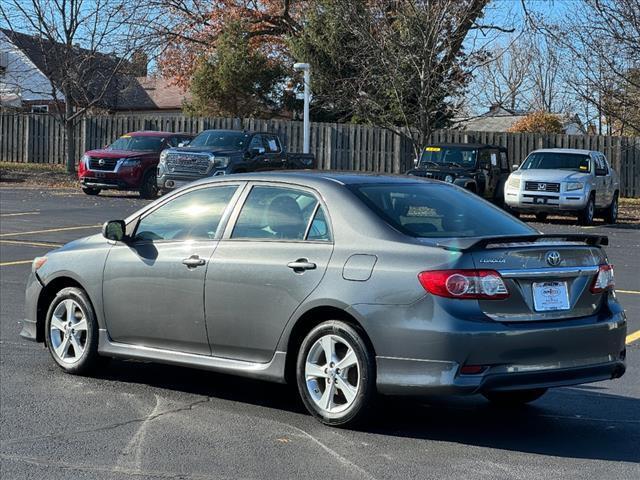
column 129, row 163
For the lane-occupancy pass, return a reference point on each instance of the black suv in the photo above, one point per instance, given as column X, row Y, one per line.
column 481, row 168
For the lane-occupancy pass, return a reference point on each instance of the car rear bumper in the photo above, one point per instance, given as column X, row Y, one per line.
column 418, row 356
column 417, row 377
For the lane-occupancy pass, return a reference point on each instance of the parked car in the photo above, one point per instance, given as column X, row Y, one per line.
column 480, row 168
column 223, row 152
column 565, row 181
column 346, row 284
column 129, row 163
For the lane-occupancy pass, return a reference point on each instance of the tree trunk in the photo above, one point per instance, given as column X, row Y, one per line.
column 69, row 137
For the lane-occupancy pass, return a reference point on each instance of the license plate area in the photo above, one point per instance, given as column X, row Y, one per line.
column 550, row 296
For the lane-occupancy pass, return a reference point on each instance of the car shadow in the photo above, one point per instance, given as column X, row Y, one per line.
column 575, row 422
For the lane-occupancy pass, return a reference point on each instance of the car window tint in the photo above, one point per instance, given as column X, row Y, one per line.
column 256, row 142
column 272, row 144
column 319, row 229
column 275, row 213
column 194, row 215
column 430, row 210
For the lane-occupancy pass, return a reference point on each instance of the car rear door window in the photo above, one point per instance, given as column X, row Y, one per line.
column 275, row 213
column 194, row 215
column 430, row 210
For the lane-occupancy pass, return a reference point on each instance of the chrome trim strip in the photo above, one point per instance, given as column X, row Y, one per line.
column 550, row 272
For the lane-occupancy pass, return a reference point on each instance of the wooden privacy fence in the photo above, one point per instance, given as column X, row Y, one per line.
column 40, row 138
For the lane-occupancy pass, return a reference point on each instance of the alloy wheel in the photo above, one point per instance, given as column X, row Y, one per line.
column 68, row 331
column 332, row 374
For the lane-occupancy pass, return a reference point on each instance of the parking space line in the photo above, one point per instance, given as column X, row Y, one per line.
column 628, row 291
column 62, row 229
column 17, row 214
column 31, row 244
column 632, row 337
column 18, row 262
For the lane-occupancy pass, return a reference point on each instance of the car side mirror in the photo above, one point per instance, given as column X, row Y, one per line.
column 184, row 143
column 515, row 167
column 255, row 151
column 114, row 230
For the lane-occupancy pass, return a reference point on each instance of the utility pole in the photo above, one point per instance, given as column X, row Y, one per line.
column 306, row 68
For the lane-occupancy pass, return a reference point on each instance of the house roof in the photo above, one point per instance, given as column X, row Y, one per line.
column 164, row 93
column 500, row 119
column 93, row 71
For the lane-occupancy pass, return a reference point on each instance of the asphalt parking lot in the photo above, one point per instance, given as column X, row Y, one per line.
column 152, row 421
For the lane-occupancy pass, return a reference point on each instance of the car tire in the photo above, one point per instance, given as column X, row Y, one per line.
column 149, row 186
column 352, row 390
column 91, row 190
column 515, row 398
column 541, row 216
column 611, row 214
column 588, row 212
column 71, row 331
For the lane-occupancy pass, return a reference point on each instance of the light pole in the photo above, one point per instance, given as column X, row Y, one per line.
column 306, row 68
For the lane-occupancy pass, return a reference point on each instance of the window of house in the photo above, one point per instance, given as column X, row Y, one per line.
column 40, row 109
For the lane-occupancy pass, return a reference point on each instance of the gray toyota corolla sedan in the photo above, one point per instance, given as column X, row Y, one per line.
column 349, row 285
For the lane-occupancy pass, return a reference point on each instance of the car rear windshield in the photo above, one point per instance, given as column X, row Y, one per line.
column 557, row 161
column 432, row 210
column 230, row 140
column 448, row 156
column 138, row 144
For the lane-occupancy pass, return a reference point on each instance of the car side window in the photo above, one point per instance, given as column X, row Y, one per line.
column 319, row 229
column 273, row 145
column 194, row 215
column 600, row 165
column 256, row 142
column 485, row 159
column 275, row 213
column 504, row 162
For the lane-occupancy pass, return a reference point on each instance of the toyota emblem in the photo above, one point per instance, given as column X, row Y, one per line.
column 553, row 258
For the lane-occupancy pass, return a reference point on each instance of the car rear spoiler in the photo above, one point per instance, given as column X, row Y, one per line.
column 479, row 243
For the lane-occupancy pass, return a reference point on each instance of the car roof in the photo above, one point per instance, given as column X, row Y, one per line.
column 319, row 177
column 469, row 146
column 565, row 150
column 153, row 133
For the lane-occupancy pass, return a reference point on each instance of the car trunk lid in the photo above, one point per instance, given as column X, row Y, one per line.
column 549, row 277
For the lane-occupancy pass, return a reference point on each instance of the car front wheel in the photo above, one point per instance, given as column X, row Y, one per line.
column 335, row 372
column 611, row 214
column 515, row 397
column 149, row 187
column 586, row 215
column 72, row 331
column 91, row 190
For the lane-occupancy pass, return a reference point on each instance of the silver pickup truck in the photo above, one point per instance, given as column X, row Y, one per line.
column 564, row 181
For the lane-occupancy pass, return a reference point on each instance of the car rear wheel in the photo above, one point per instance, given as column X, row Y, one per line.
column 91, row 190
column 611, row 214
column 515, row 397
column 586, row 215
column 541, row 216
column 72, row 331
column 335, row 372
column 149, row 187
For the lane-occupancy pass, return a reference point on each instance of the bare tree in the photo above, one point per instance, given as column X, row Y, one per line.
column 72, row 41
column 601, row 41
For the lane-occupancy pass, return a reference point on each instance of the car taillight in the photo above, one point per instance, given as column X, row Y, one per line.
column 477, row 284
column 604, row 281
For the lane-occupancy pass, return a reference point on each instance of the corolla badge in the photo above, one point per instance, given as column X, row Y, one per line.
column 493, row 260
column 553, row 258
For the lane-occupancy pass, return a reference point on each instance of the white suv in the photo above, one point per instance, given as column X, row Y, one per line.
column 564, row 181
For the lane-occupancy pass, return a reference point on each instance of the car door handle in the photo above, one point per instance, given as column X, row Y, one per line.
column 194, row 261
column 301, row 265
